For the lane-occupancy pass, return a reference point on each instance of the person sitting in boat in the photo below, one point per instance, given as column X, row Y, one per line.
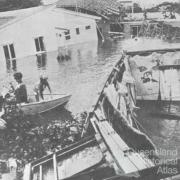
column 40, row 87
column 20, row 90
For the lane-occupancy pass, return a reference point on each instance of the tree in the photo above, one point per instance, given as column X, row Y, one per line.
column 169, row 6
column 6, row 5
column 137, row 8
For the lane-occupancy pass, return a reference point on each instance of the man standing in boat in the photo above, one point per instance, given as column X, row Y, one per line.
column 40, row 87
column 20, row 91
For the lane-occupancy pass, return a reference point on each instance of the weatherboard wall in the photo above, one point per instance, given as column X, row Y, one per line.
column 49, row 24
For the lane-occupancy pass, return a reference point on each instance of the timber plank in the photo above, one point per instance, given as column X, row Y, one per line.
column 27, row 172
column 123, row 162
column 132, row 160
column 55, row 166
column 99, row 114
column 40, row 173
column 134, row 156
column 139, row 162
column 110, row 130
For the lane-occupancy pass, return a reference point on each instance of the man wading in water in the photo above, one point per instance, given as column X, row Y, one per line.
column 40, row 87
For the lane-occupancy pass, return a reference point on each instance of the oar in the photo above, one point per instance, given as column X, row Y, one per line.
column 159, row 93
column 48, row 94
column 54, row 94
column 170, row 98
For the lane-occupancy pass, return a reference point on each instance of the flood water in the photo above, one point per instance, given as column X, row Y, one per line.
column 83, row 75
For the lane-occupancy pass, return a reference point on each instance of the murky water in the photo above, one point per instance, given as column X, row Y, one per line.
column 83, row 75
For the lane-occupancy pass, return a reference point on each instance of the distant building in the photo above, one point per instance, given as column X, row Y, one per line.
column 133, row 22
column 42, row 29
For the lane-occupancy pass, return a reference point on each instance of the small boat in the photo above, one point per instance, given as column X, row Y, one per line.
column 50, row 102
column 116, row 35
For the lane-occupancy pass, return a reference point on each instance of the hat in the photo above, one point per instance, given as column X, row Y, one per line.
column 18, row 75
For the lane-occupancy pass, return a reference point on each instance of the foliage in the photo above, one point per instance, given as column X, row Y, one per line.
column 170, row 6
column 26, row 138
column 137, row 8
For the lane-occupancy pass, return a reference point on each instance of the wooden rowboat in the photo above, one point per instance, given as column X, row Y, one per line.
column 50, row 102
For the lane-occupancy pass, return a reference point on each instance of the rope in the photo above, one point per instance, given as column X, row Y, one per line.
column 139, row 124
column 136, row 124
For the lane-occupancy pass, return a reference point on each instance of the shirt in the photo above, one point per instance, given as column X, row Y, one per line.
column 21, row 93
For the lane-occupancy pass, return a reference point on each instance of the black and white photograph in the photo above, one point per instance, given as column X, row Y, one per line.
column 89, row 89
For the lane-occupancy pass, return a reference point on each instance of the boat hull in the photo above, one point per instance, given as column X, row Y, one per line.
column 44, row 106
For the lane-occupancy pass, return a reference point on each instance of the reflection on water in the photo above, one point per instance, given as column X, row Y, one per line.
column 41, row 61
column 163, row 131
column 63, row 54
column 83, row 75
column 11, row 65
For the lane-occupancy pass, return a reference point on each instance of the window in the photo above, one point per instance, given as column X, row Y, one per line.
column 67, row 35
column 10, row 57
column 116, row 27
column 88, row 27
column 135, row 30
column 39, row 43
column 77, row 31
column 9, row 52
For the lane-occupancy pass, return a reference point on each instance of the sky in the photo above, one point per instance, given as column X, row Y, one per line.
column 150, row 3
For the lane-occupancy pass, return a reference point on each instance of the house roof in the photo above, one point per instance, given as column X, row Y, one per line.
column 10, row 17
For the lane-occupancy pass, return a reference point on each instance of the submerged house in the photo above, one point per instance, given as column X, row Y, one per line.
column 42, row 29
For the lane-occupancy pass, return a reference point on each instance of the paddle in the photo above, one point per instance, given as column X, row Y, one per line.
column 159, row 93
column 49, row 94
